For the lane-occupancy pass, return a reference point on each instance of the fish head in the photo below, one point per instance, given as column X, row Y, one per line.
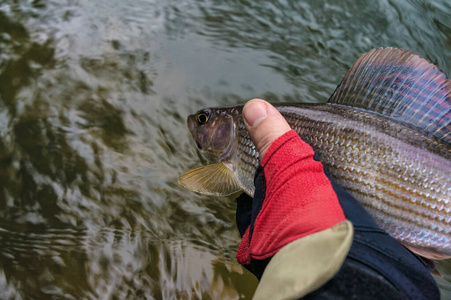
column 214, row 131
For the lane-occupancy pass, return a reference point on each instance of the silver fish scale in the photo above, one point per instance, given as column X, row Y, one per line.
column 405, row 188
column 248, row 159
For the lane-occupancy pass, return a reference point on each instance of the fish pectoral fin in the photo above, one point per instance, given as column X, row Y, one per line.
column 432, row 267
column 215, row 179
column 428, row 253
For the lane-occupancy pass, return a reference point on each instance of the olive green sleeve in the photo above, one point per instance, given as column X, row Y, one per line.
column 306, row 264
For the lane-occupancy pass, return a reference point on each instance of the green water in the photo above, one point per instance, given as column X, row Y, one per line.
column 93, row 101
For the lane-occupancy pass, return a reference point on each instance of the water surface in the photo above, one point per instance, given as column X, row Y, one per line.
column 93, row 101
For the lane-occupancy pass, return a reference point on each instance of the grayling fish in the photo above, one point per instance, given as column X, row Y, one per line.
column 385, row 135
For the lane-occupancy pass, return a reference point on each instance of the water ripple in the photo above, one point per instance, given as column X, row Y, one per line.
column 93, row 101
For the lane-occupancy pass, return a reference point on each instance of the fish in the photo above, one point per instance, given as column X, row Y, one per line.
column 384, row 135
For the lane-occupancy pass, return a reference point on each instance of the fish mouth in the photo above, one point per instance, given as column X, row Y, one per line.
column 198, row 145
column 191, row 124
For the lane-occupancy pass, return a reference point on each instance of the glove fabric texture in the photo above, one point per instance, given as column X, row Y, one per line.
column 293, row 199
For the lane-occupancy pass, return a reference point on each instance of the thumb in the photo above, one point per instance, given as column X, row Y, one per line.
column 264, row 123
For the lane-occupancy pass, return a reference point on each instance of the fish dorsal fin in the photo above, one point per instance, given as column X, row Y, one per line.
column 402, row 86
column 215, row 179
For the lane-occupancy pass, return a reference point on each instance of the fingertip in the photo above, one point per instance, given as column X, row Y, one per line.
column 255, row 111
column 264, row 123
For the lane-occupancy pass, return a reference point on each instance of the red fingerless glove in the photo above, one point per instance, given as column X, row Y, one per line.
column 296, row 199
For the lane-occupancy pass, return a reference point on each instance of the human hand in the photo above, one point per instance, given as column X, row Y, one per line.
column 293, row 197
column 295, row 237
column 264, row 123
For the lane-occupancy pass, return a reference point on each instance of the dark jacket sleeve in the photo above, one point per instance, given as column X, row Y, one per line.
column 377, row 266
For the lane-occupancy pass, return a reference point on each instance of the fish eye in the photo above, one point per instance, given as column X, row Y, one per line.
column 202, row 117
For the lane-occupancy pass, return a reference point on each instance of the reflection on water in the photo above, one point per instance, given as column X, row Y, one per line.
column 93, row 101
column 123, row 264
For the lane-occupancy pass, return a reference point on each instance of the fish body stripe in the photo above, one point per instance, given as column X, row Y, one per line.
column 379, row 162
